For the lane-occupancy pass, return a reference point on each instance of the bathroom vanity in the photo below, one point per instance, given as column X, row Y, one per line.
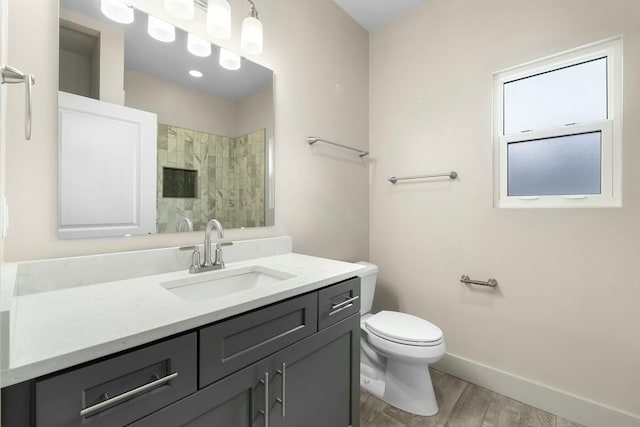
column 278, row 354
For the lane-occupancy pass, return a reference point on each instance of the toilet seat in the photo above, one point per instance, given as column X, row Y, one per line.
column 403, row 328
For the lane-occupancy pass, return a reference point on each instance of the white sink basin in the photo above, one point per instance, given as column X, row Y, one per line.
column 209, row 285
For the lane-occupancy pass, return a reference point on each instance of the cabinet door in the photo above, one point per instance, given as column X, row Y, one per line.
column 235, row 401
column 107, row 169
column 235, row 343
column 321, row 387
column 120, row 389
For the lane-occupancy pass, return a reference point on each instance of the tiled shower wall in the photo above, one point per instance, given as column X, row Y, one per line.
column 231, row 181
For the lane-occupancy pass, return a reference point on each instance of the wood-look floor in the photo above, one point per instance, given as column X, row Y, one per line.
column 462, row 404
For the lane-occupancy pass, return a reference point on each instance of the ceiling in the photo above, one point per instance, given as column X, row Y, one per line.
column 372, row 14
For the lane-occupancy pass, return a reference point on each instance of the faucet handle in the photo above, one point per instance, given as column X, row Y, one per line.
column 218, row 260
column 195, row 257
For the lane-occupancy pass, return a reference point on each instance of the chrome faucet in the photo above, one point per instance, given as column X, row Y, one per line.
column 207, row 240
column 185, row 225
column 208, row 264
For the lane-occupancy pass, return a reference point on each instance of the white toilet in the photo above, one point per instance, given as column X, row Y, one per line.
column 395, row 353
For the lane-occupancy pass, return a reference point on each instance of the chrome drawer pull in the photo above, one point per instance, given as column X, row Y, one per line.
column 338, row 307
column 87, row 412
column 283, row 389
column 345, row 302
column 265, row 412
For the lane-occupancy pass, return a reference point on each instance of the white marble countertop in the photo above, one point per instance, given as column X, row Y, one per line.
column 62, row 328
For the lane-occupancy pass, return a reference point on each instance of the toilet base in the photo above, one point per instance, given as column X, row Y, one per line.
column 409, row 387
column 374, row 386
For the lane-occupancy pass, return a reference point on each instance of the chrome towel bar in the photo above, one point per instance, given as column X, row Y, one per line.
column 313, row 139
column 12, row 75
column 451, row 175
column 492, row 283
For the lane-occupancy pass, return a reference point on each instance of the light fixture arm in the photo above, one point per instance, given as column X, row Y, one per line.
column 253, row 12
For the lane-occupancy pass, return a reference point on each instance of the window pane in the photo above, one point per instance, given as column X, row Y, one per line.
column 564, row 165
column 576, row 94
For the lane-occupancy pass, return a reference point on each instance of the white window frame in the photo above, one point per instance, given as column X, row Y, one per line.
column 611, row 130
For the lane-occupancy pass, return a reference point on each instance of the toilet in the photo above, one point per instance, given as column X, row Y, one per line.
column 396, row 350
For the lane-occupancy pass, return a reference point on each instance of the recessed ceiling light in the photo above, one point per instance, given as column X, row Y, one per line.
column 195, row 73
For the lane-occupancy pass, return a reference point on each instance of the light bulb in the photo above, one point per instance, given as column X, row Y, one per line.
column 251, row 37
column 181, row 9
column 229, row 60
column 219, row 19
column 195, row 73
column 197, row 46
column 117, row 11
column 160, row 30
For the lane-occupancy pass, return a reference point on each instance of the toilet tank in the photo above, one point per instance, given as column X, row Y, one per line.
column 367, row 286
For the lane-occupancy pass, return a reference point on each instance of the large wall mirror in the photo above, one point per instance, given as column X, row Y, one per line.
column 213, row 138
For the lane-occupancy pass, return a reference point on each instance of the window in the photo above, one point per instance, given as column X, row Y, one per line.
column 557, row 130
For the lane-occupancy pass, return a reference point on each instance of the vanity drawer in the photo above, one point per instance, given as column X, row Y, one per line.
column 338, row 302
column 135, row 383
column 235, row 343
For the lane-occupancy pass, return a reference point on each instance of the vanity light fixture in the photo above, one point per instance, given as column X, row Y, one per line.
column 219, row 24
column 229, row 60
column 181, row 9
column 160, row 30
column 198, row 46
column 195, row 73
column 251, row 36
column 117, row 10
column 219, row 19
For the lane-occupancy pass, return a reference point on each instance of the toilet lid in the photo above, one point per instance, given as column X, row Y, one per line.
column 403, row 328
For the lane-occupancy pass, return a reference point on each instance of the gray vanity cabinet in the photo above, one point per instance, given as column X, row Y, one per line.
column 233, row 401
column 319, row 388
column 290, row 364
column 121, row 389
column 234, row 343
column 321, row 383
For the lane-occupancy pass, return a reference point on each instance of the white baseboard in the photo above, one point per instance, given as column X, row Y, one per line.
column 566, row 405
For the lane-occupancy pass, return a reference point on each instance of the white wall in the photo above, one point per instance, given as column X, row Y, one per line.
column 566, row 311
column 322, row 74
column 179, row 106
column 109, row 58
column 255, row 111
column 4, row 322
